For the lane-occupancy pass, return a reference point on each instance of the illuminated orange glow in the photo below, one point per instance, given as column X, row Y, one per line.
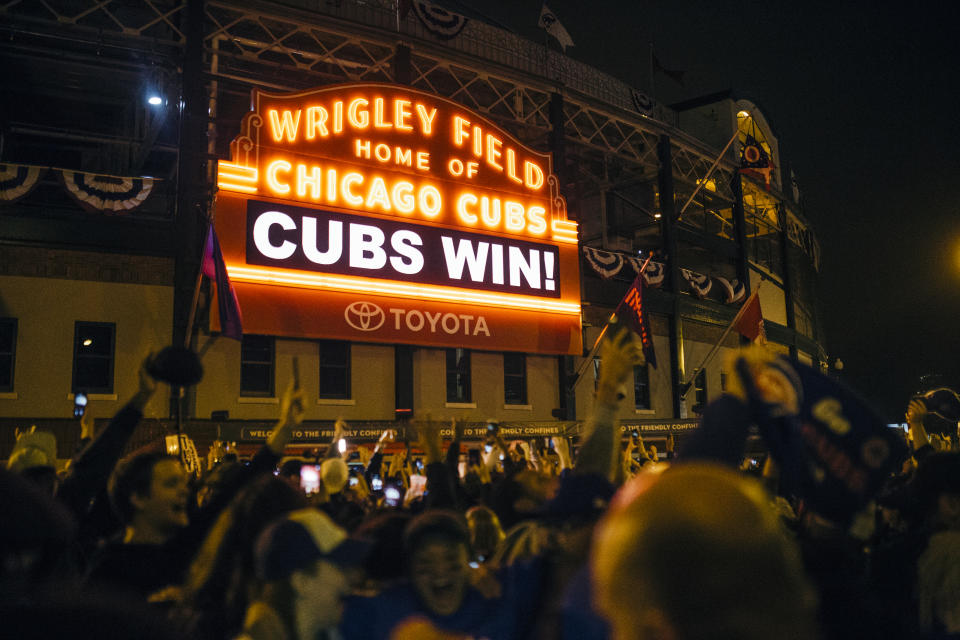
column 286, row 125
column 564, row 231
column 274, row 168
column 351, row 284
column 233, row 177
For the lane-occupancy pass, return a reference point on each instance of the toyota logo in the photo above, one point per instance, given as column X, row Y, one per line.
column 364, row 316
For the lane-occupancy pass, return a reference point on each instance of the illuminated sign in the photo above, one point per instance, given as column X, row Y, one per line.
column 385, row 196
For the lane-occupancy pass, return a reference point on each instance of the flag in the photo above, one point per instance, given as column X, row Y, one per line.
column 630, row 311
column 673, row 74
column 755, row 161
column 231, row 321
column 831, row 449
column 549, row 22
column 749, row 320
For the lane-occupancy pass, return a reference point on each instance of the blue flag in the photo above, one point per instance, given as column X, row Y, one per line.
column 834, row 452
column 231, row 320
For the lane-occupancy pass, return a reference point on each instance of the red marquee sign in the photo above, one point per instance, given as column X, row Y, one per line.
column 379, row 213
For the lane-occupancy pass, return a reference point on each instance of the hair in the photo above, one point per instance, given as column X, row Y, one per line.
column 386, row 559
column 486, row 534
column 435, row 524
column 133, row 475
column 221, row 578
column 703, row 525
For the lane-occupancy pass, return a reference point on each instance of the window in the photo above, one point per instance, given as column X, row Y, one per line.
column 8, row 350
column 514, row 378
column 256, row 366
column 700, row 388
column 641, row 387
column 458, row 375
column 93, row 357
column 334, row 369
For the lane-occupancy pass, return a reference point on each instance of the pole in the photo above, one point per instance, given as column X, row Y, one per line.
column 710, row 171
column 596, row 345
column 188, row 338
column 686, row 386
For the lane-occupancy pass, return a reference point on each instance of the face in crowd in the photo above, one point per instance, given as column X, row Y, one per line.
column 164, row 506
column 439, row 573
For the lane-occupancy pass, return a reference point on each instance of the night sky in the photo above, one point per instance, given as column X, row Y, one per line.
column 863, row 99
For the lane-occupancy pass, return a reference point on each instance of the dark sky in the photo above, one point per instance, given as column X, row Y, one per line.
column 863, row 99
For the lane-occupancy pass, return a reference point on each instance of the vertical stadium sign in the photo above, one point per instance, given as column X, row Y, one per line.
column 378, row 213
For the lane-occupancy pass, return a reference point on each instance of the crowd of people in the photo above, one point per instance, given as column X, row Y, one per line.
column 527, row 539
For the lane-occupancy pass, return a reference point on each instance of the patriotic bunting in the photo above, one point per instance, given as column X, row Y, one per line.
column 440, row 22
column 608, row 264
column 17, row 180
column 106, row 193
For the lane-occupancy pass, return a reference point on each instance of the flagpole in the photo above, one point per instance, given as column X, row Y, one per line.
column 710, row 171
column 596, row 345
column 196, row 291
column 685, row 387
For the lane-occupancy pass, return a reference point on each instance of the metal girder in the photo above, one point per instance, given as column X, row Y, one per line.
column 156, row 20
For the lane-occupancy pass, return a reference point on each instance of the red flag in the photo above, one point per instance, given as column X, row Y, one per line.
column 749, row 320
column 231, row 320
column 630, row 311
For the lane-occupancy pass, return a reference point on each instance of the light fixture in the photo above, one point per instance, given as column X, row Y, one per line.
column 155, row 100
column 656, row 216
column 87, row 342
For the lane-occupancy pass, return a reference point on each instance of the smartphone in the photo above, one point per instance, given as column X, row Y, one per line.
column 391, row 496
column 310, row 478
column 353, row 481
column 376, row 484
column 488, row 447
column 634, row 435
column 492, row 428
column 79, row 404
column 418, row 463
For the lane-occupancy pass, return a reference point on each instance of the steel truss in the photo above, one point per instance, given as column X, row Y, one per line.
column 282, row 47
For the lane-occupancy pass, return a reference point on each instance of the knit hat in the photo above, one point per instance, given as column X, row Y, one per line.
column 334, row 475
column 300, row 539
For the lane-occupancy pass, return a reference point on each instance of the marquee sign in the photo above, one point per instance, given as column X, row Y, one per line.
column 378, row 213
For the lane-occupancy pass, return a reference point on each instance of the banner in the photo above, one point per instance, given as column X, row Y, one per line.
column 833, row 451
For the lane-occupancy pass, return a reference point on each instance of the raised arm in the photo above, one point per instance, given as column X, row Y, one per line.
column 600, row 451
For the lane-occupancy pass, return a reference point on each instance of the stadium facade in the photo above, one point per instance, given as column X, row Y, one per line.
column 127, row 126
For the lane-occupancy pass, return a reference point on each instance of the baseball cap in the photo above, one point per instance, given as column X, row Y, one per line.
column 301, row 538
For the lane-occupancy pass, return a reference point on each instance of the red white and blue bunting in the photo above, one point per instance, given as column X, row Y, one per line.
column 17, row 180
column 608, row 264
column 106, row 193
column 438, row 21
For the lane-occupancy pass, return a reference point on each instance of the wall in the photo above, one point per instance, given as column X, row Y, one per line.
column 46, row 310
column 371, row 382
